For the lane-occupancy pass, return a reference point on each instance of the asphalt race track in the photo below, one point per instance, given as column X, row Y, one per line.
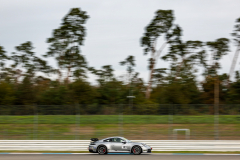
column 115, row 157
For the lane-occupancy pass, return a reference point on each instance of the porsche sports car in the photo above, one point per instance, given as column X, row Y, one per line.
column 117, row 144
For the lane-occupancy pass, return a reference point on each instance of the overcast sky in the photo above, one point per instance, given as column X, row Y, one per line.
column 115, row 27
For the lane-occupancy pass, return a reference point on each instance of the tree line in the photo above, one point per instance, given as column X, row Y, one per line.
column 26, row 78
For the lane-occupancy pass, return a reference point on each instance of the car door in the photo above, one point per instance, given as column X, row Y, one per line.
column 115, row 144
column 125, row 146
column 119, row 145
column 110, row 143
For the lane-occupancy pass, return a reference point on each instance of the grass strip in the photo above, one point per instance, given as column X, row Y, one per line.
column 114, row 119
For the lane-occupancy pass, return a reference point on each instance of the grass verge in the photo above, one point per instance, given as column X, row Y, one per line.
column 114, row 119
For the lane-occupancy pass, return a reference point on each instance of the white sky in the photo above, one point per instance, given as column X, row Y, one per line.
column 116, row 26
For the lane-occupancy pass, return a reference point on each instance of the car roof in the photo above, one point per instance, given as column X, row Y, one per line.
column 115, row 137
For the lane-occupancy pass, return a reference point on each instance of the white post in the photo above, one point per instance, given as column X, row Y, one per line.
column 187, row 131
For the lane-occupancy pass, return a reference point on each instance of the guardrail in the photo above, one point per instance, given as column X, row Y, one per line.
column 157, row 145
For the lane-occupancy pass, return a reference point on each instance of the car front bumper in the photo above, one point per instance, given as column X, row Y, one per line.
column 146, row 149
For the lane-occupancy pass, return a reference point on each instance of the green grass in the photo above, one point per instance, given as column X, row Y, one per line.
column 130, row 131
column 115, row 119
column 131, row 126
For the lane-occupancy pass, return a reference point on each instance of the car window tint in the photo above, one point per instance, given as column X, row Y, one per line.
column 108, row 140
column 114, row 140
column 118, row 139
column 122, row 140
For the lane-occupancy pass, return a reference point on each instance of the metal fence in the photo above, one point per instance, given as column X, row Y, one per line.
column 156, row 145
column 74, row 122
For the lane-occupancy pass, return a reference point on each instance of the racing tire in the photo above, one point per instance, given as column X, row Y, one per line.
column 136, row 150
column 102, row 150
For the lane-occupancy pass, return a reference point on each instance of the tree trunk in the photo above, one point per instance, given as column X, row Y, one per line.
column 148, row 91
column 59, row 75
column 155, row 56
column 234, row 61
column 19, row 74
column 68, row 74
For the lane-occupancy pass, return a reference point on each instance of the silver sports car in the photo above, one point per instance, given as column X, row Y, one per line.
column 117, row 144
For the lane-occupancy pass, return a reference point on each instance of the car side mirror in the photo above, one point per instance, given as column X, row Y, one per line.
column 124, row 142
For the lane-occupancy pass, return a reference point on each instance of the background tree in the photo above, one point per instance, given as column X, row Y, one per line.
column 234, row 91
column 109, row 88
column 218, row 49
column 236, row 38
column 26, row 63
column 3, row 58
column 104, row 75
column 130, row 63
column 161, row 25
column 184, row 54
column 58, row 95
column 159, row 76
column 208, row 86
column 179, row 86
column 212, row 86
column 184, row 90
column 7, row 93
column 66, row 41
column 83, row 92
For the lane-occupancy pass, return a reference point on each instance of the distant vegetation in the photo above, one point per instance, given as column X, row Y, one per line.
column 21, row 83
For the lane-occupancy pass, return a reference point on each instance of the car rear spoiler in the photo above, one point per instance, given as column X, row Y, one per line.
column 94, row 139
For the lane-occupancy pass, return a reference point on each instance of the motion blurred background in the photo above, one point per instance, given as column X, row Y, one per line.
column 141, row 83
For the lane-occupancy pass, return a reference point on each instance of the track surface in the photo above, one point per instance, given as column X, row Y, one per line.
column 117, row 157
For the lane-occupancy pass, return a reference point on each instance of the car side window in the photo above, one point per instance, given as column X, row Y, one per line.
column 108, row 140
column 122, row 140
column 116, row 139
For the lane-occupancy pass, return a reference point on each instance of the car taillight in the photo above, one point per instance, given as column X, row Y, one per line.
column 151, row 148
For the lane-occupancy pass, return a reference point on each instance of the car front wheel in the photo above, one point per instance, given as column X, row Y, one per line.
column 136, row 150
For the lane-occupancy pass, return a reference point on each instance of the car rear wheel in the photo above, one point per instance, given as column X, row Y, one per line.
column 136, row 150
column 102, row 150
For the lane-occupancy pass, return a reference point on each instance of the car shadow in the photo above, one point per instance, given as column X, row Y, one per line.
column 121, row 154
